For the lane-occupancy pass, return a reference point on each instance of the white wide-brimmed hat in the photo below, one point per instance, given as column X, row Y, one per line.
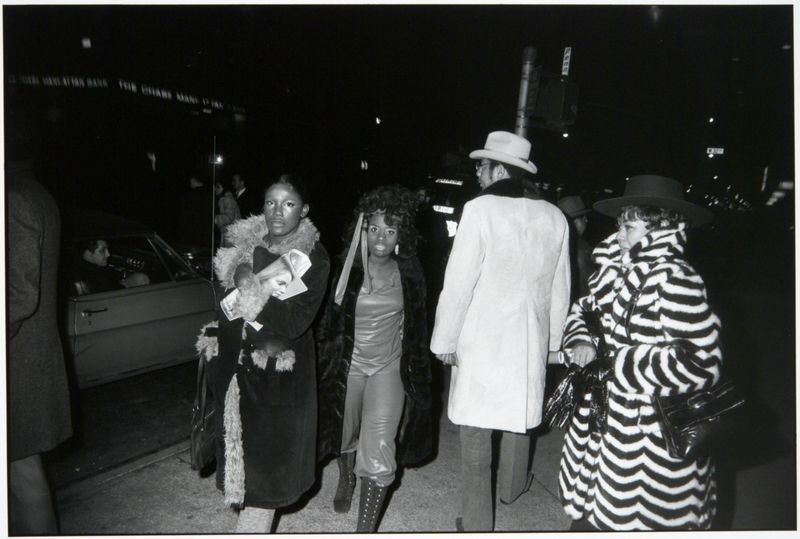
column 507, row 148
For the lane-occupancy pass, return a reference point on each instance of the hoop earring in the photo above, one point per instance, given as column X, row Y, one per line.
column 396, row 249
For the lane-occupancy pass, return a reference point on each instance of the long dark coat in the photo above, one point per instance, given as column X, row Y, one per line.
column 38, row 394
column 277, row 409
column 335, row 348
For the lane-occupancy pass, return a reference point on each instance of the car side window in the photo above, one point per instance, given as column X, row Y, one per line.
column 115, row 264
column 130, row 262
column 137, row 261
column 177, row 267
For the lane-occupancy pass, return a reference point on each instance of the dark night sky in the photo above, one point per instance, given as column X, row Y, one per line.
column 313, row 79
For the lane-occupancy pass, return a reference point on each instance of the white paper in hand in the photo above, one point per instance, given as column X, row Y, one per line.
column 297, row 262
column 228, row 305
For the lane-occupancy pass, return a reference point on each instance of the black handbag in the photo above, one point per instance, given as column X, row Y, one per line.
column 695, row 422
column 202, row 448
column 561, row 404
column 578, row 381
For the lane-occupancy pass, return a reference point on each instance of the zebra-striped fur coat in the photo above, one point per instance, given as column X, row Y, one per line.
column 624, row 479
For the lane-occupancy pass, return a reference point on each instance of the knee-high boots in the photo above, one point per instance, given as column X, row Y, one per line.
column 370, row 505
column 347, row 483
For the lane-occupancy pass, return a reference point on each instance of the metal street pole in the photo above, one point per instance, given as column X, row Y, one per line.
column 213, row 189
column 528, row 85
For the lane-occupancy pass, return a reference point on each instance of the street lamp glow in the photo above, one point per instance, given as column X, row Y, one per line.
column 377, row 121
column 711, row 120
column 716, row 177
column 565, row 135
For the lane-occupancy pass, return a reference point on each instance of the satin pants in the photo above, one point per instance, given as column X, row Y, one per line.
column 372, row 412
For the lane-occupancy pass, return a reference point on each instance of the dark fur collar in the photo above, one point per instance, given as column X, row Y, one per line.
column 512, row 188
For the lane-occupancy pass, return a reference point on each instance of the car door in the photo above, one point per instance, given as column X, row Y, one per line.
column 120, row 333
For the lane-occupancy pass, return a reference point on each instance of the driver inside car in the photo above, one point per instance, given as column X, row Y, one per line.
column 93, row 275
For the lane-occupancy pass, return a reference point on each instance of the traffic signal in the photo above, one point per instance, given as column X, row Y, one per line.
column 556, row 103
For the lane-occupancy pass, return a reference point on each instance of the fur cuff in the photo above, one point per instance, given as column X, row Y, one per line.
column 207, row 346
column 284, row 361
column 251, row 299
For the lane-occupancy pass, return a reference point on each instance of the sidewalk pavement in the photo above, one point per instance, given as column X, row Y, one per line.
column 161, row 494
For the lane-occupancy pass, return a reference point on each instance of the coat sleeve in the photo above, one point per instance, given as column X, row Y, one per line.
column 559, row 299
column 25, row 267
column 292, row 317
column 328, row 332
column 417, row 427
column 461, row 275
column 601, row 294
column 689, row 358
column 575, row 328
column 420, row 365
column 323, row 329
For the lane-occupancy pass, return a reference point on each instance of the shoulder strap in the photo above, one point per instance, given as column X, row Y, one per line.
column 201, row 387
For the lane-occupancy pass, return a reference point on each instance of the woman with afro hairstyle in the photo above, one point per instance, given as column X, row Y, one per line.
column 374, row 368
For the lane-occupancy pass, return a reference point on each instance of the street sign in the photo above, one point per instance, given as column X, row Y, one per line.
column 565, row 61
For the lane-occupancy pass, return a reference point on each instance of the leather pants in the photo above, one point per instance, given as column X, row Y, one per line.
column 373, row 409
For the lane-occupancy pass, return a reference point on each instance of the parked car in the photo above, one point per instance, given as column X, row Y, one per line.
column 199, row 258
column 118, row 333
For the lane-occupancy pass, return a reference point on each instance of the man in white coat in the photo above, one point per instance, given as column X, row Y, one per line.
column 501, row 310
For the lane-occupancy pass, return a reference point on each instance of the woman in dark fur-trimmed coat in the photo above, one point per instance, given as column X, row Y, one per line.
column 374, row 367
column 262, row 370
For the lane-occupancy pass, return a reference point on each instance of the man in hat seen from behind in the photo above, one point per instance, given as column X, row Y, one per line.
column 580, row 252
column 502, row 307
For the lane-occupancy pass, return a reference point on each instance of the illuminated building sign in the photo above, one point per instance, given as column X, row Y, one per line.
column 449, row 181
column 715, row 151
column 147, row 90
column 443, row 209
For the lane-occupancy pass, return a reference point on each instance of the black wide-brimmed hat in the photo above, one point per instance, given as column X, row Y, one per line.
column 659, row 191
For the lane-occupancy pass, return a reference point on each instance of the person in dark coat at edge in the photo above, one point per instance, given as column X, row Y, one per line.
column 248, row 198
column 196, row 214
column 375, row 396
column 39, row 417
column 580, row 252
column 262, row 366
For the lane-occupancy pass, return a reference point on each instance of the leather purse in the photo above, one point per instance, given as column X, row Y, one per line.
column 693, row 423
column 202, row 447
column 578, row 381
column 561, row 404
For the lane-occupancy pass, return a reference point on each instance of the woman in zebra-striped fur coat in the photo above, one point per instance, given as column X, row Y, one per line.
column 624, row 478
